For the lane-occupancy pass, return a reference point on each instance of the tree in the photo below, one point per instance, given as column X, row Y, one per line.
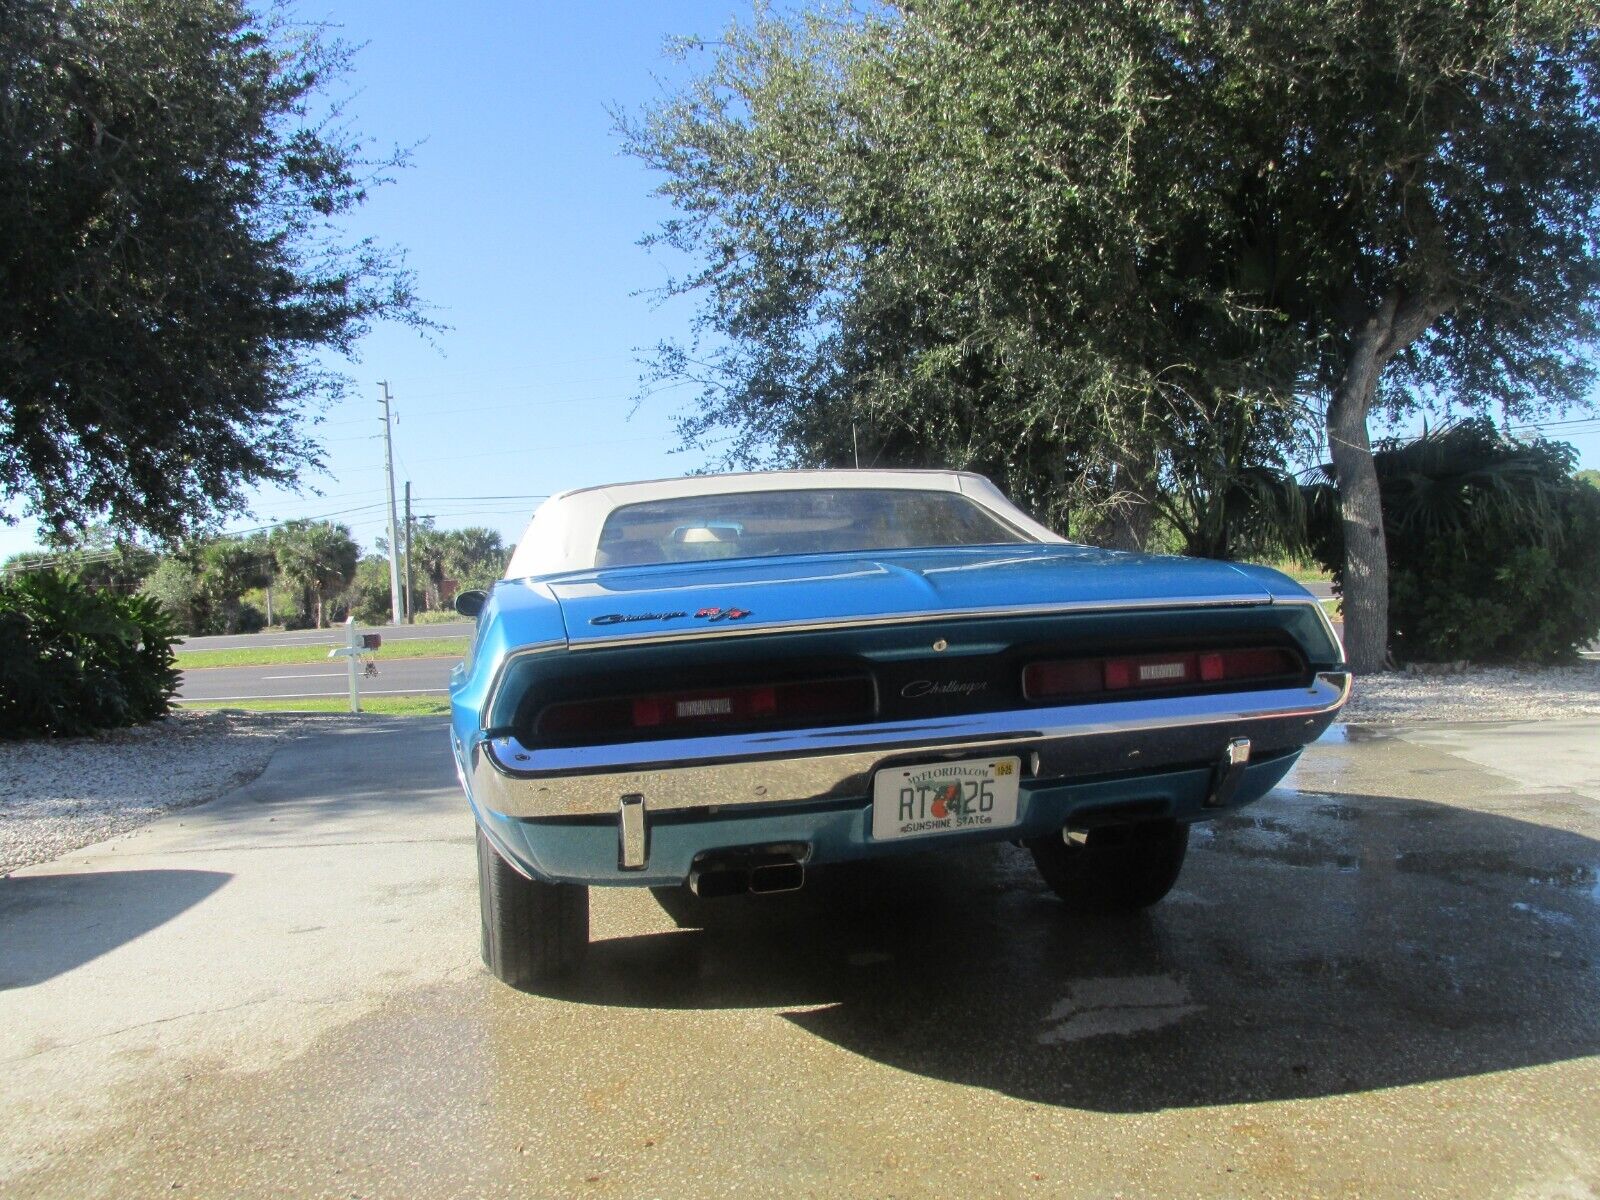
column 1592, row 478
column 477, row 557
column 97, row 558
column 1425, row 175
column 317, row 557
column 1495, row 544
column 470, row 557
column 430, row 553
column 369, row 596
column 173, row 267
column 1047, row 240
column 202, row 584
column 957, row 238
column 174, row 586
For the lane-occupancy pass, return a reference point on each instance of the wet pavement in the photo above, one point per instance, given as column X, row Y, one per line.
column 1382, row 980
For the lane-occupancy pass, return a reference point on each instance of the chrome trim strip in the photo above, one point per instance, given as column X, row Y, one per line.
column 838, row 763
column 922, row 616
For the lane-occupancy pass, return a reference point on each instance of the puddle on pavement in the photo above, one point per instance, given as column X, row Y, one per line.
column 1340, row 734
column 1461, row 866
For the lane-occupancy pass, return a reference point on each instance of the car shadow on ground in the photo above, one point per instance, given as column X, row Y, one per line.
column 51, row 924
column 1316, row 945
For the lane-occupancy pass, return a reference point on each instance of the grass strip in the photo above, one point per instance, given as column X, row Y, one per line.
column 381, row 706
column 267, row 656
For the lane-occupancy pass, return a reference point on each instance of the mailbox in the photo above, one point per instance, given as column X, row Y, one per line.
column 371, row 641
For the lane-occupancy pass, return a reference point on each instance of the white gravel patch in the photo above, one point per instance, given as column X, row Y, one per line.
column 57, row 796
column 1477, row 694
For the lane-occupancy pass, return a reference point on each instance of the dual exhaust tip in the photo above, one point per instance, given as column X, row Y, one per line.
column 760, row 873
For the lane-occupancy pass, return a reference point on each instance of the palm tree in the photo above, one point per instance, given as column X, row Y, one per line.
column 319, row 558
column 1458, row 478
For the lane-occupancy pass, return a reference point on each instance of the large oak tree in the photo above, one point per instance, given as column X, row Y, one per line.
column 173, row 262
column 1111, row 248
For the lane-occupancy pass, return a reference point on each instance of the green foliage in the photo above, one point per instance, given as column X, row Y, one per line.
column 173, row 269
column 368, row 596
column 1592, row 478
column 318, row 558
column 174, row 586
column 202, row 584
column 98, row 558
column 74, row 661
column 1494, row 547
column 961, row 237
column 439, row 616
column 1104, row 251
column 473, row 557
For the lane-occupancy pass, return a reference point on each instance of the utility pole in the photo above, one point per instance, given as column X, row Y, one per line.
column 411, row 613
column 394, row 541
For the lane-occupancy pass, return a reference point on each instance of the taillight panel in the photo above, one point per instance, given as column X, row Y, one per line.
column 699, row 711
column 1178, row 670
column 704, row 702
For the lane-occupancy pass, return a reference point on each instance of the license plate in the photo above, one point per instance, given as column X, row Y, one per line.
column 949, row 797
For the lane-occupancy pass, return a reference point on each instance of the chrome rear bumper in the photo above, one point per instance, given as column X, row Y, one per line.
column 807, row 765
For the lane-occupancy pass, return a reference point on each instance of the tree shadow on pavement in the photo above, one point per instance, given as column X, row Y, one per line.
column 1316, row 945
column 51, row 924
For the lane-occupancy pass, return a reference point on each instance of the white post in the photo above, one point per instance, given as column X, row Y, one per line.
column 352, row 656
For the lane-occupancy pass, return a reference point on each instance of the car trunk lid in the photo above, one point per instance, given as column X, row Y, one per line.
column 753, row 595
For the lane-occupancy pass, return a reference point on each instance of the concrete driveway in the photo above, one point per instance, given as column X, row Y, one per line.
column 1383, row 980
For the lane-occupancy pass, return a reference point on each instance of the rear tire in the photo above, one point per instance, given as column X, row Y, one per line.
column 1119, row 868
column 532, row 931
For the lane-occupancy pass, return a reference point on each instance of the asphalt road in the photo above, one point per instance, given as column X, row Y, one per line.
column 326, row 637
column 1379, row 981
column 395, row 676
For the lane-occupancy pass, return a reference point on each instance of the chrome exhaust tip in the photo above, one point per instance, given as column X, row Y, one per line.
column 762, row 870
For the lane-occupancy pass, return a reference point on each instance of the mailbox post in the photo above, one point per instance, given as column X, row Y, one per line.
column 356, row 644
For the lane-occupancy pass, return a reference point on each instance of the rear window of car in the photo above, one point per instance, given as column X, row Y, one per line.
column 813, row 521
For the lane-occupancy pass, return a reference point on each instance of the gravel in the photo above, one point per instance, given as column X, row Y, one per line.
column 1476, row 694
column 58, row 796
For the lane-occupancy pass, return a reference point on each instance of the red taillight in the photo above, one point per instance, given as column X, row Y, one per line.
column 669, row 714
column 1150, row 672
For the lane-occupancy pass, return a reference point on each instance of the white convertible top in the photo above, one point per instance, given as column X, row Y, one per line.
column 565, row 531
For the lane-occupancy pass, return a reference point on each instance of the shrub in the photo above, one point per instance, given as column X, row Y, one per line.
column 74, row 661
column 438, row 616
column 1494, row 547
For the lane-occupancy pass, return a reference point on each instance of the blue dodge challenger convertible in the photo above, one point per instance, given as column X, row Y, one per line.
column 719, row 681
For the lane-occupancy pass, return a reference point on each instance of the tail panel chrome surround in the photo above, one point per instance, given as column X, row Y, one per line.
column 808, row 765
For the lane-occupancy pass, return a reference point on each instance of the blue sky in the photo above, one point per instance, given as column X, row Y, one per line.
column 520, row 217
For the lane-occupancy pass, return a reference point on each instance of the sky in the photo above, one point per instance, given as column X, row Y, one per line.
column 521, row 218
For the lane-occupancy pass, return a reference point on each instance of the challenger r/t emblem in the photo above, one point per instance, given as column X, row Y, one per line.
column 723, row 614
